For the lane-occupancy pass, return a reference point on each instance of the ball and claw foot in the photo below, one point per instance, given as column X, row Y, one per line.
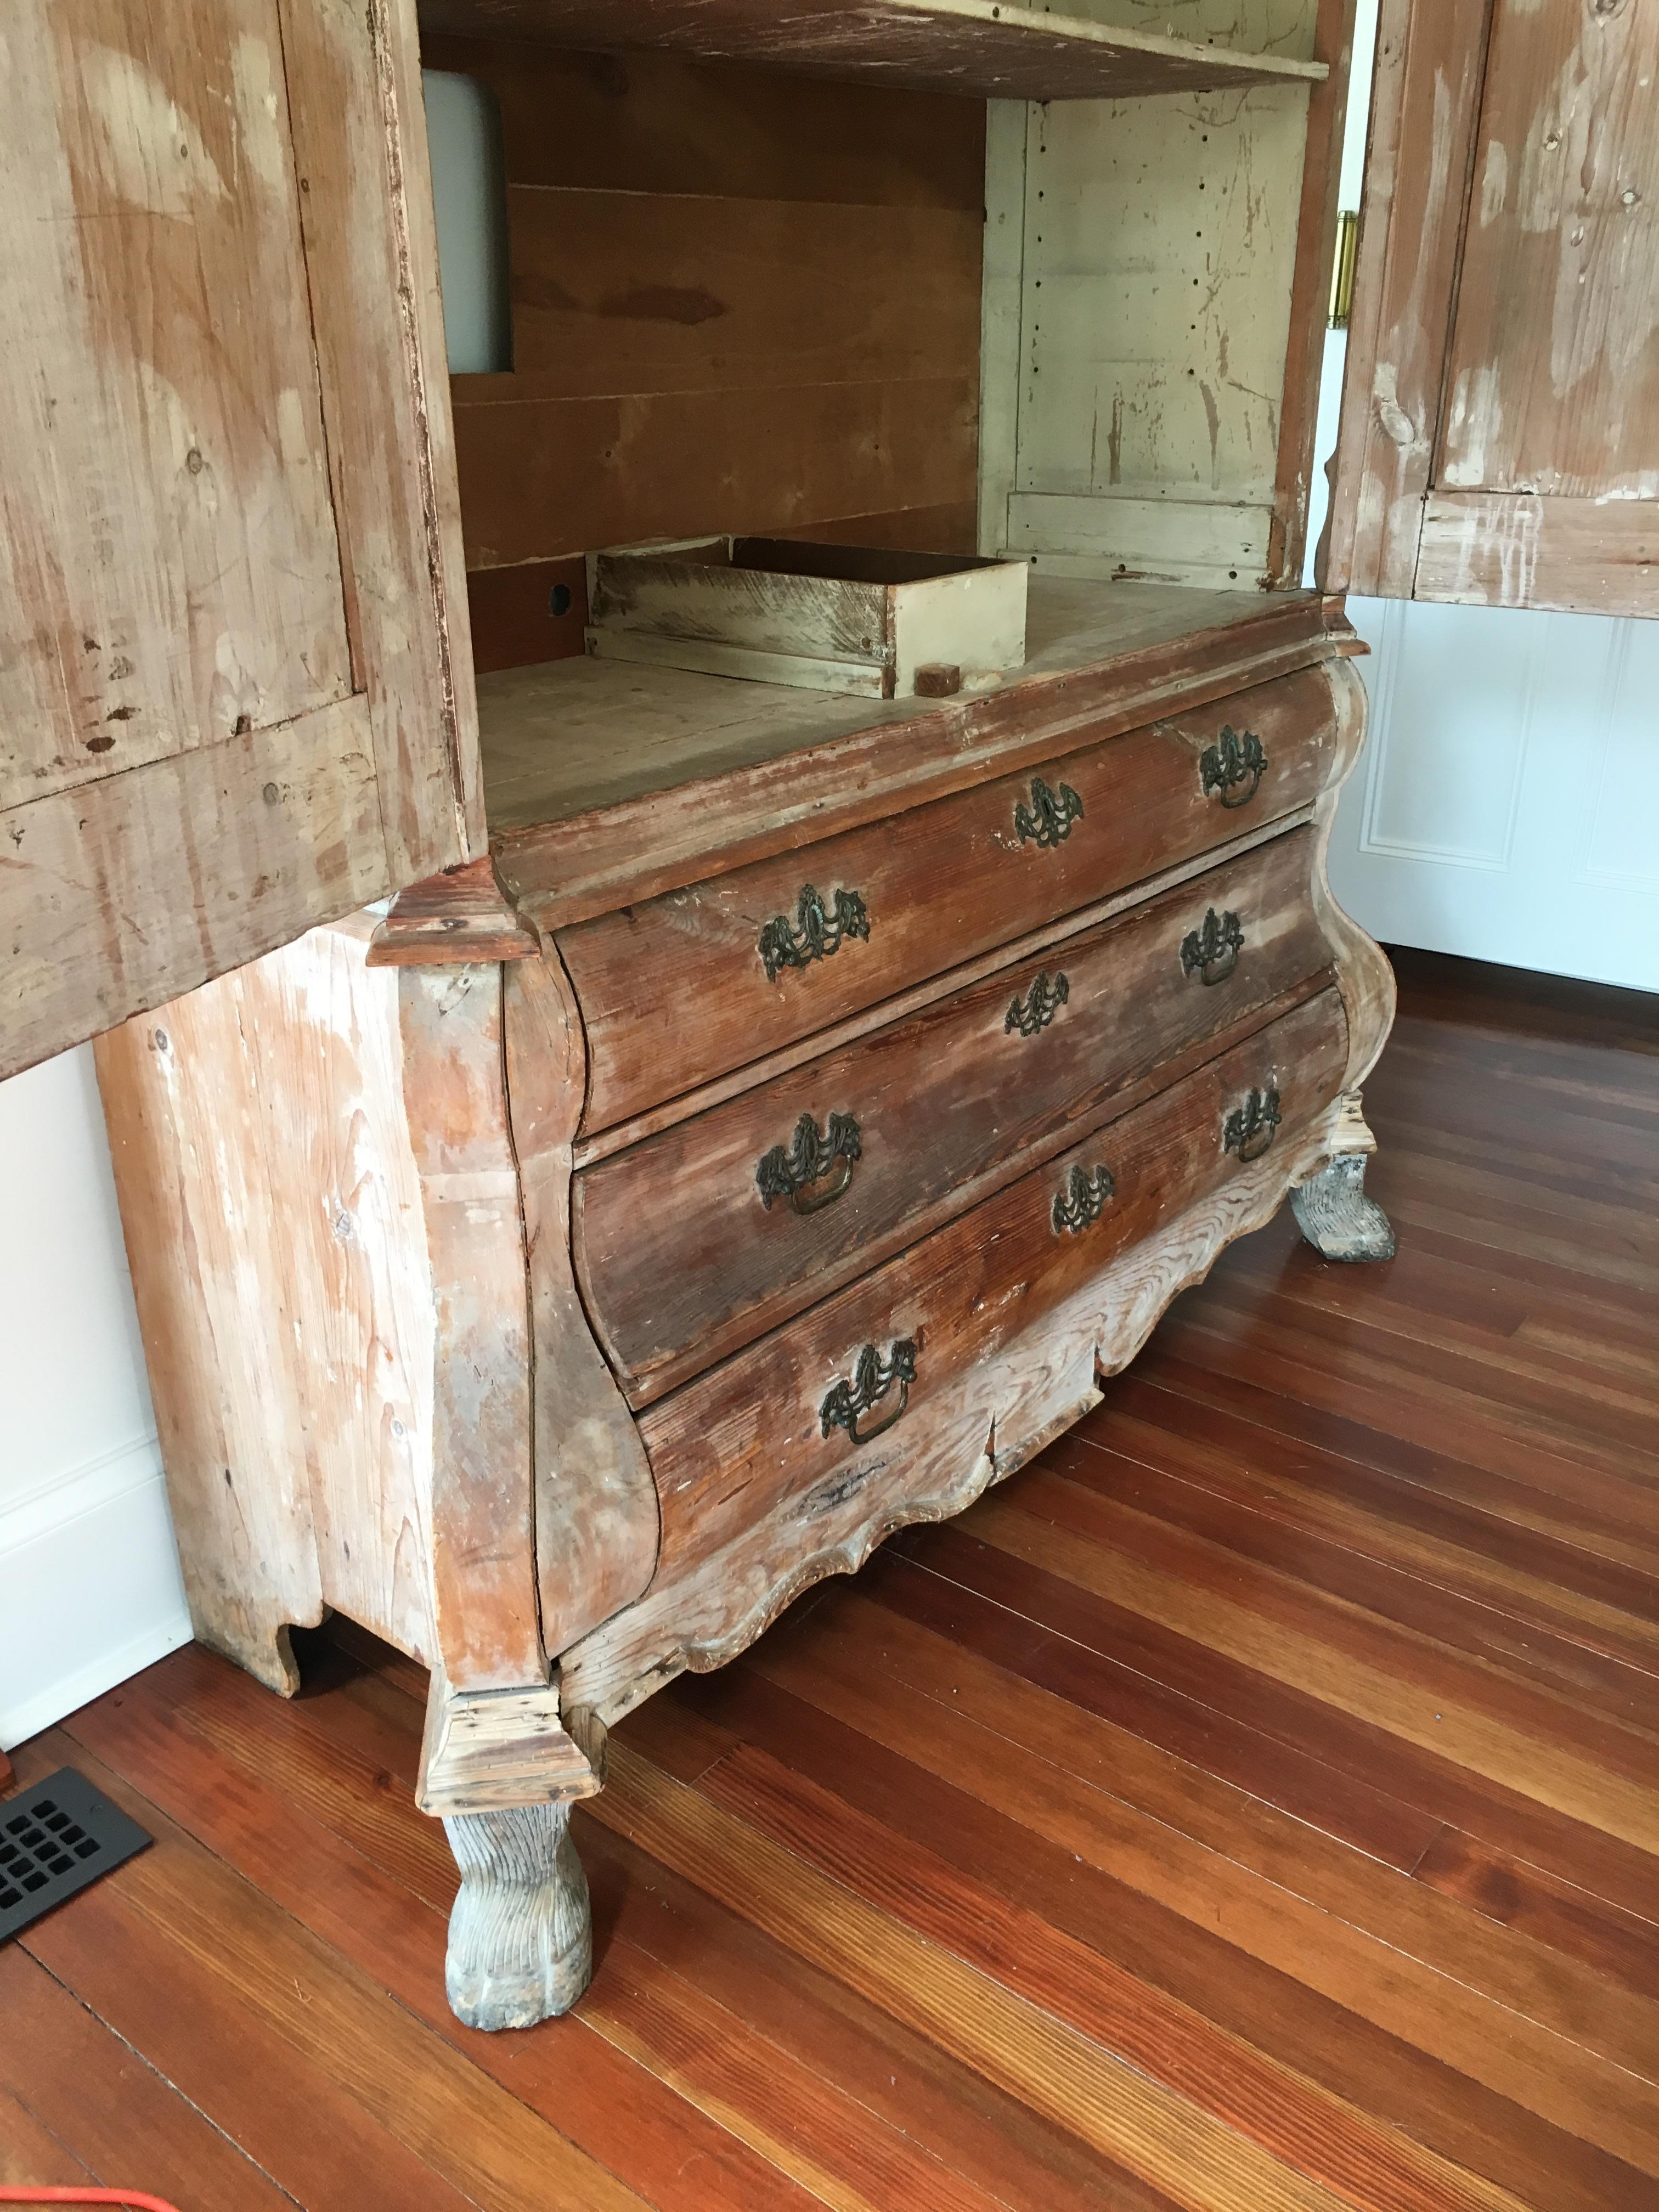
column 520, row 1933
column 1333, row 1213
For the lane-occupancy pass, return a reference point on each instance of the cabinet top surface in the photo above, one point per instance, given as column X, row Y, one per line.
column 608, row 782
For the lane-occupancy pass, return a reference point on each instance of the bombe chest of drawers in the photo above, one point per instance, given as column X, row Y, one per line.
column 568, row 1267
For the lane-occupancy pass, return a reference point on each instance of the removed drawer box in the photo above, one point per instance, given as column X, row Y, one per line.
column 818, row 1404
column 738, row 966
column 691, row 1243
column 827, row 618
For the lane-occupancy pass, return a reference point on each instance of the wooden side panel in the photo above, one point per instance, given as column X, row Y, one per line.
column 1553, row 375
column 149, row 179
column 596, row 1504
column 741, row 303
column 273, row 1220
column 483, row 1515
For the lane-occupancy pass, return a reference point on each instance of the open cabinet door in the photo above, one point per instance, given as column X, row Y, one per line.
column 236, row 683
column 1500, row 427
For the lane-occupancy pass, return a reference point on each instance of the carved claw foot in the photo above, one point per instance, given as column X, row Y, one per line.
column 1333, row 1213
column 521, row 1934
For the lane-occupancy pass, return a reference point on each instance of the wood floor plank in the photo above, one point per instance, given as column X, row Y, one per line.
column 1173, row 1918
column 1045, row 2061
column 1432, row 1782
column 107, row 2105
column 31, row 2156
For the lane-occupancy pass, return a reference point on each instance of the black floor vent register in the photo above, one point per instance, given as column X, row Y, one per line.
column 55, row 1839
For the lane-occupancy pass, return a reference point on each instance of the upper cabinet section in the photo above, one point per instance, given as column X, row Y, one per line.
column 987, row 49
column 234, row 689
column 1500, row 432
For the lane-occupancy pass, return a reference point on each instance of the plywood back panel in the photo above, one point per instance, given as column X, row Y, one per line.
column 741, row 302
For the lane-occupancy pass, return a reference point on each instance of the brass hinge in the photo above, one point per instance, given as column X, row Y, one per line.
column 1347, row 253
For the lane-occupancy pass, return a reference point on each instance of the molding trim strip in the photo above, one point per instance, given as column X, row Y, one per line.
column 89, row 1587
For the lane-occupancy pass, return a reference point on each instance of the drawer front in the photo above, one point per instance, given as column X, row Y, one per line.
column 690, row 1244
column 682, row 988
column 820, row 1404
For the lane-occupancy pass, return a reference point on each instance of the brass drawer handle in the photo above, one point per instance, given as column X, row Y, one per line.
column 1235, row 759
column 1211, row 953
column 872, row 1378
column 1250, row 1128
column 818, row 931
column 1083, row 1200
column 1039, row 1007
column 1048, row 820
column 813, row 1155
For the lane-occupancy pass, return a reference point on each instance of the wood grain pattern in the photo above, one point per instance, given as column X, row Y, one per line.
column 971, row 1885
column 682, row 1260
column 1513, row 550
column 939, row 884
column 1552, row 361
column 740, row 301
column 967, row 47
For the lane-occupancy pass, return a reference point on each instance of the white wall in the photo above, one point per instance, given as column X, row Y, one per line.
column 89, row 1588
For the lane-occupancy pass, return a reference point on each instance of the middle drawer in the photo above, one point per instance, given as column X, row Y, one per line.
column 690, row 1244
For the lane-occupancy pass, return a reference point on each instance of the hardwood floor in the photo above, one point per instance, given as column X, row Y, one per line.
column 1254, row 1804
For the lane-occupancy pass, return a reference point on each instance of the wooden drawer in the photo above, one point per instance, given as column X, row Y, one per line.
column 682, row 988
column 690, row 1244
column 770, row 1425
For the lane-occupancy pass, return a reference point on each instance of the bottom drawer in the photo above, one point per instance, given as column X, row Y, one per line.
column 794, row 1410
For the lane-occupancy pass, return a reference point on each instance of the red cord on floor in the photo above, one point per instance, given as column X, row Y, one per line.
column 134, row 2198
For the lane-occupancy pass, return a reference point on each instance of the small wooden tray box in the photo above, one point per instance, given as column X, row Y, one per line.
column 827, row 618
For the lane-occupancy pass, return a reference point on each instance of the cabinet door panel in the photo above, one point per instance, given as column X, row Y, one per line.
column 230, row 704
column 1500, row 425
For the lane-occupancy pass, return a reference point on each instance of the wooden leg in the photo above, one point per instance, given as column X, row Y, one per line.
column 520, row 1935
column 1333, row 1213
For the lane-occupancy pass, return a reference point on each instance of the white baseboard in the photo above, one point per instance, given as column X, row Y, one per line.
column 89, row 1588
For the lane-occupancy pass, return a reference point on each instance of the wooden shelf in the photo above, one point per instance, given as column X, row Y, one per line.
column 974, row 47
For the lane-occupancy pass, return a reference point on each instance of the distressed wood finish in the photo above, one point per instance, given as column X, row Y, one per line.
column 1498, row 447
column 748, row 1440
column 970, row 46
column 1425, row 102
column 938, row 883
column 1553, row 365
column 461, row 915
column 680, row 1259
column 228, row 643
column 596, row 1505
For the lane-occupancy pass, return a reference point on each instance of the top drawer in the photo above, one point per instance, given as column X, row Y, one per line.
column 682, row 988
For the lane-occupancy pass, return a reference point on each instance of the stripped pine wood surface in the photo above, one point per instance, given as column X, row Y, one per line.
column 1254, row 1803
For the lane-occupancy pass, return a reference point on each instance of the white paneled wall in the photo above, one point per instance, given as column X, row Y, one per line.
column 89, row 1588
column 1500, row 810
